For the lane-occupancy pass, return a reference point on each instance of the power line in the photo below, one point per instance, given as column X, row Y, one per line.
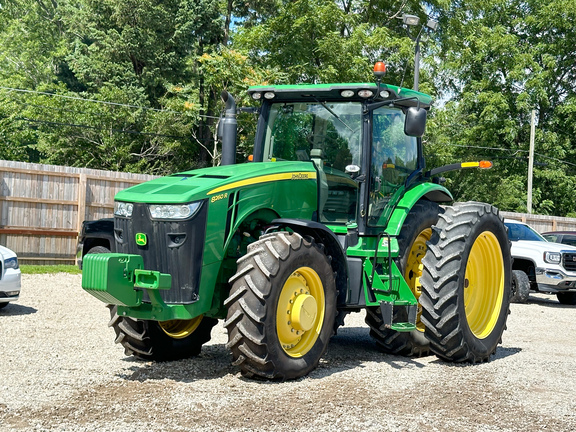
column 46, row 107
column 88, row 100
column 485, row 148
column 128, row 131
column 515, row 151
column 99, row 101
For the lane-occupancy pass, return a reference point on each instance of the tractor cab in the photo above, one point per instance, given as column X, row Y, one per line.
column 356, row 137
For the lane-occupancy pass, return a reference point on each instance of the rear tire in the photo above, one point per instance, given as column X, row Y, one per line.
column 520, row 287
column 568, row 298
column 169, row 340
column 466, row 283
column 415, row 231
column 281, row 308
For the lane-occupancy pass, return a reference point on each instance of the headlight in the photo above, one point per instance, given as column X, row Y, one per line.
column 173, row 211
column 552, row 257
column 365, row 93
column 123, row 209
column 11, row 263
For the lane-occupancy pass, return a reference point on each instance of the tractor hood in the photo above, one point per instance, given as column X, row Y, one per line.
column 203, row 183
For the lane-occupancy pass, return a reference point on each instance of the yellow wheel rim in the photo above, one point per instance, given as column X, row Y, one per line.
column 484, row 285
column 414, row 267
column 179, row 329
column 300, row 312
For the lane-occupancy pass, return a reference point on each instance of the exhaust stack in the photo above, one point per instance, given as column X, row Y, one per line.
column 228, row 129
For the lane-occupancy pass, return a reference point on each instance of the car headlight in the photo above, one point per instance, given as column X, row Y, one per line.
column 173, row 211
column 553, row 257
column 11, row 263
column 123, row 209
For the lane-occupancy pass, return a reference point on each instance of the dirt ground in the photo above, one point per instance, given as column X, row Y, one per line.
column 61, row 371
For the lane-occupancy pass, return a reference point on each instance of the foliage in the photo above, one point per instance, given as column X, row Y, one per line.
column 509, row 57
column 331, row 41
column 135, row 85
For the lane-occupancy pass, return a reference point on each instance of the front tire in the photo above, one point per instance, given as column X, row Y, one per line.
column 520, row 287
column 466, row 283
column 161, row 341
column 568, row 298
column 281, row 308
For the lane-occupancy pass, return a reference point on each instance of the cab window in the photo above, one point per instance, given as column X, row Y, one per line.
column 328, row 135
column 394, row 157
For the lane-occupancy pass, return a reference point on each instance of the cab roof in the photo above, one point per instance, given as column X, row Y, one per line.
column 333, row 92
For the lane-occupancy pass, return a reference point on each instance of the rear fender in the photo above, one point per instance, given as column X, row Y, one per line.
column 430, row 191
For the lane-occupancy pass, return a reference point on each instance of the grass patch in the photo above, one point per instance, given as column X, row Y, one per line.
column 49, row 269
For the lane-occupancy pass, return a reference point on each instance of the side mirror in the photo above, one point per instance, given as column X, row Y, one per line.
column 415, row 123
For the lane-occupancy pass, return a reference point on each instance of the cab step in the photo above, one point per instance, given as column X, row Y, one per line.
column 387, row 309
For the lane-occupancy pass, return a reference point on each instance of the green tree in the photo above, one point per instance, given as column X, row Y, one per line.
column 332, row 41
column 498, row 61
column 131, row 59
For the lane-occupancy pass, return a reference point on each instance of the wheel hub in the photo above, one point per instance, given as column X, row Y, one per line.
column 304, row 312
column 300, row 312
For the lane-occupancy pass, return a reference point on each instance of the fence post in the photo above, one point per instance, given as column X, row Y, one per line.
column 81, row 201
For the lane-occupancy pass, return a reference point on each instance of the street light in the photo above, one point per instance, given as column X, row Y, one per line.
column 413, row 20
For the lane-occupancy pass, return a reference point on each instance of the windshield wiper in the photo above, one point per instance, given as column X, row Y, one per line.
column 327, row 108
column 374, row 105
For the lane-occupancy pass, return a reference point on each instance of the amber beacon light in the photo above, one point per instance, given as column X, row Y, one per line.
column 379, row 69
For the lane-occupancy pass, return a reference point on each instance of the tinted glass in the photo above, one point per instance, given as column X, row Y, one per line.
column 569, row 239
column 551, row 238
column 394, row 157
column 330, row 136
column 522, row 232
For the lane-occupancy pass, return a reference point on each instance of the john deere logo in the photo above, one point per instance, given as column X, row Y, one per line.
column 141, row 239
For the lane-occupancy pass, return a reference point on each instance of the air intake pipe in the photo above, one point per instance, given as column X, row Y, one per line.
column 227, row 130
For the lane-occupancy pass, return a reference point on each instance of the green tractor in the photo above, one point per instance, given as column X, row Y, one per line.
column 334, row 213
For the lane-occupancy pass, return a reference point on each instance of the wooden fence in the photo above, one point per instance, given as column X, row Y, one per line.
column 42, row 207
column 543, row 223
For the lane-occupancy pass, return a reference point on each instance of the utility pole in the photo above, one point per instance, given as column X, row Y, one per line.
column 413, row 20
column 531, row 160
column 417, row 63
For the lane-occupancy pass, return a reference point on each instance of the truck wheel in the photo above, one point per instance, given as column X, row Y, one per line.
column 98, row 250
column 416, row 231
column 520, row 287
column 466, row 283
column 161, row 341
column 281, row 308
column 568, row 298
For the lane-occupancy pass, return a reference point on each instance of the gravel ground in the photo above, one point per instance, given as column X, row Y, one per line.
column 61, row 371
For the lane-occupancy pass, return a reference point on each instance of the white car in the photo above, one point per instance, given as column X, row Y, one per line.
column 541, row 265
column 10, row 277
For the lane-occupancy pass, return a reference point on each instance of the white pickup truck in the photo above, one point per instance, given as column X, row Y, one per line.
column 9, row 277
column 541, row 265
